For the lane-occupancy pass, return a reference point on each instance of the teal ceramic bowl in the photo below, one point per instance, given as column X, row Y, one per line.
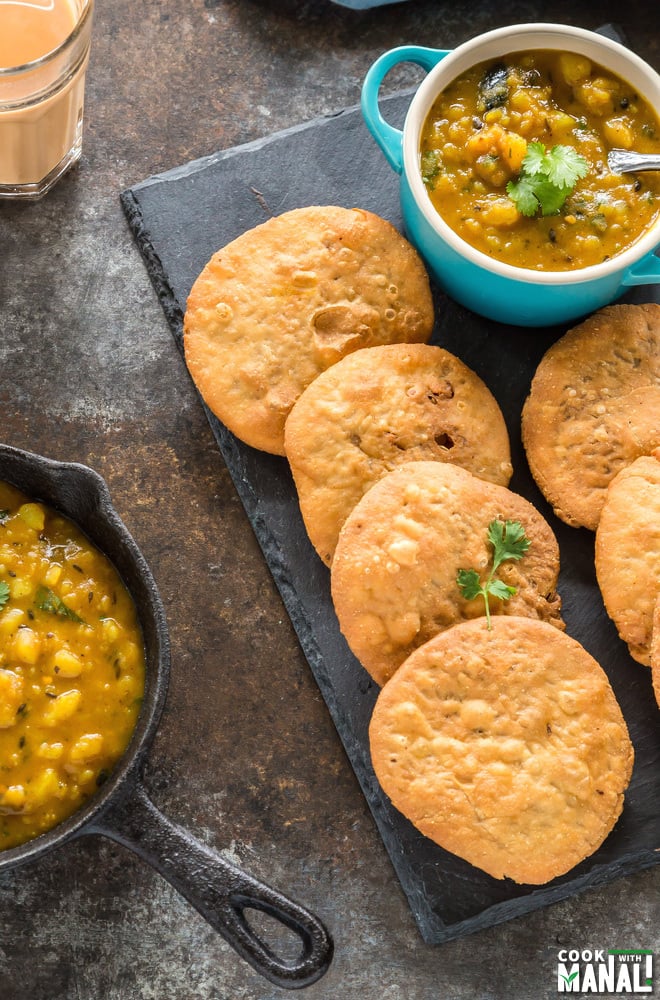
column 508, row 294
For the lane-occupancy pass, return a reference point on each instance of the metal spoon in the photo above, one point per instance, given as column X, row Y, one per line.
column 625, row 161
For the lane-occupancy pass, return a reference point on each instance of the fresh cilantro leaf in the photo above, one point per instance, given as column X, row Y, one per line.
column 47, row 600
column 535, row 159
column 546, row 178
column 501, row 590
column 509, row 541
column 565, row 166
column 469, row 582
column 4, row 593
column 521, row 192
column 550, row 197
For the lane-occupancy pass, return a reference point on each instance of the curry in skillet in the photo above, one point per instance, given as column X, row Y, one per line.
column 71, row 668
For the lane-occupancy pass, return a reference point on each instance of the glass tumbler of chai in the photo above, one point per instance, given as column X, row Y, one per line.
column 44, row 49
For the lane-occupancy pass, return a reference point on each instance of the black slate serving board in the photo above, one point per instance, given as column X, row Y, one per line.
column 179, row 219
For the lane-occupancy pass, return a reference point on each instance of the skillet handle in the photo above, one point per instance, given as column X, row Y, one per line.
column 219, row 890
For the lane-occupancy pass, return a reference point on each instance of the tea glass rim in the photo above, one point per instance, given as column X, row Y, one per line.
column 35, row 64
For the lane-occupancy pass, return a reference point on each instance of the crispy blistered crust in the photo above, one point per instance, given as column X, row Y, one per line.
column 628, row 553
column 506, row 747
column 655, row 651
column 593, row 408
column 377, row 409
column 393, row 576
column 289, row 298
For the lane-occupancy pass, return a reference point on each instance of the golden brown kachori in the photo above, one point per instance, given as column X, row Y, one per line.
column 505, row 746
column 394, row 572
column 377, row 409
column 655, row 651
column 628, row 552
column 593, row 408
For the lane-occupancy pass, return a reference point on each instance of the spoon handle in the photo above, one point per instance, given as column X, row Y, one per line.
column 623, row 161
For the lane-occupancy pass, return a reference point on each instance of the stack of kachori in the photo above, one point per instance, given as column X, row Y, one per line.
column 285, row 300
column 501, row 739
column 494, row 732
column 591, row 430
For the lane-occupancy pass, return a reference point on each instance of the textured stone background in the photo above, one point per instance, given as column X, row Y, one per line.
column 246, row 755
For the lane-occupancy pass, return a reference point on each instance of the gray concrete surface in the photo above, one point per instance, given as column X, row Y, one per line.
column 246, row 756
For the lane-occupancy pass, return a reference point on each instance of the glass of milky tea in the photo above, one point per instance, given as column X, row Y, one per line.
column 44, row 49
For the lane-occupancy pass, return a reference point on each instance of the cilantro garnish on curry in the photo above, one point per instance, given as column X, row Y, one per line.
column 546, row 179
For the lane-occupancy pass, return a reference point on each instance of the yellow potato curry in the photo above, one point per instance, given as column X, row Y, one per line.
column 71, row 668
column 514, row 157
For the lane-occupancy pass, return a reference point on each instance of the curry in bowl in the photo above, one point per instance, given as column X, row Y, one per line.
column 513, row 154
column 72, row 668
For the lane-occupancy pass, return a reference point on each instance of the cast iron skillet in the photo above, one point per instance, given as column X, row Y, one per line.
column 121, row 810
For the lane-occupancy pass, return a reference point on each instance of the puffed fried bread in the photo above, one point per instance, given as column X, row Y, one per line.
column 505, row 746
column 394, row 573
column 377, row 409
column 655, row 651
column 628, row 553
column 593, row 408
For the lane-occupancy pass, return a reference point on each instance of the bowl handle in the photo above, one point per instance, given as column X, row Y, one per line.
column 645, row 272
column 219, row 890
column 390, row 139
